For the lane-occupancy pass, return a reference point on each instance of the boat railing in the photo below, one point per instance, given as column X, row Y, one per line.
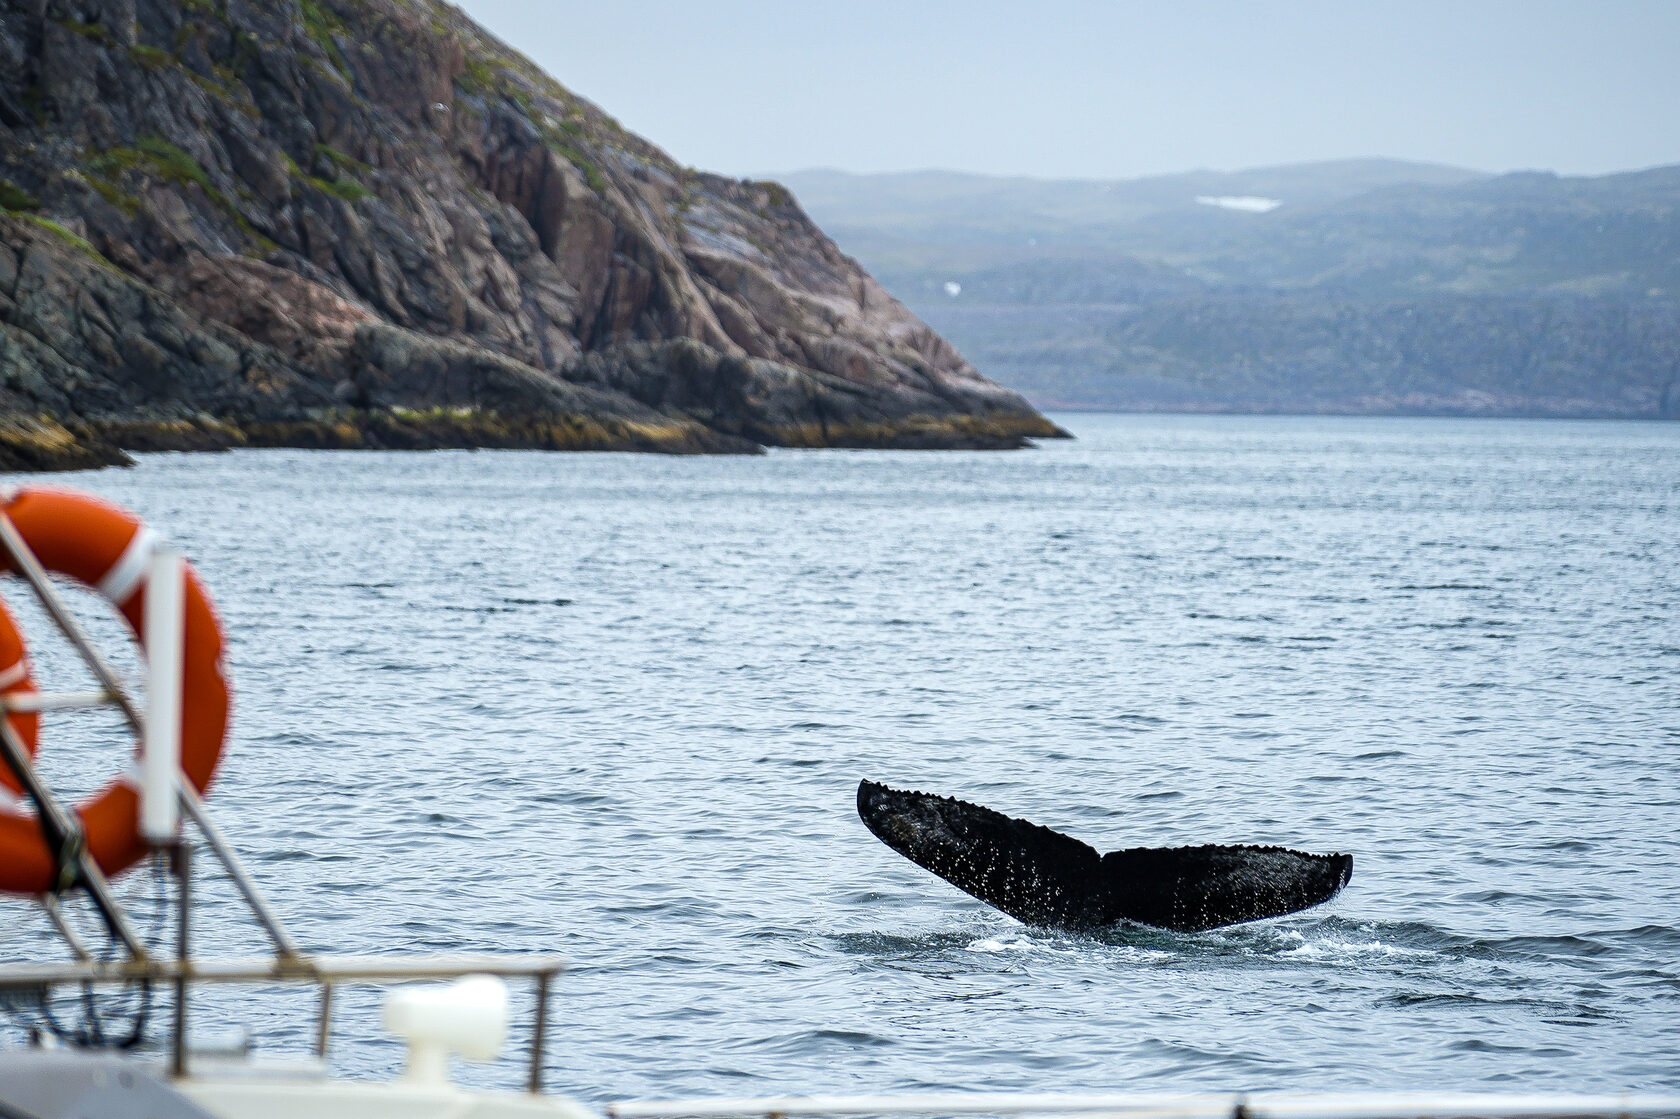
column 167, row 799
column 326, row 973
column 1211, row 1105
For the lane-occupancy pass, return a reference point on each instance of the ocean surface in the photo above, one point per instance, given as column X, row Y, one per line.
column 617, row 707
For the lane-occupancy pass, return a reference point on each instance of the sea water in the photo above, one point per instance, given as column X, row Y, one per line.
column 617, row 706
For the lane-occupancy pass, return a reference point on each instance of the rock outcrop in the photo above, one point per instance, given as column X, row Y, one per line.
column 368, row 223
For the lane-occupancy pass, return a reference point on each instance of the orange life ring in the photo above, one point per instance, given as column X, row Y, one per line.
column 108, row 549
column 15, row 679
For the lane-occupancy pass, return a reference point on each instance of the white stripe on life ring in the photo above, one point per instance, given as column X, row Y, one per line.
column 14, row 674
column 129, row 571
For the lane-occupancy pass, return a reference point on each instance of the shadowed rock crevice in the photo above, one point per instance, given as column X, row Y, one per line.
column 250, row 216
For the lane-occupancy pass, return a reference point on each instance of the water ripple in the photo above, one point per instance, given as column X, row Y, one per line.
column 616, row 707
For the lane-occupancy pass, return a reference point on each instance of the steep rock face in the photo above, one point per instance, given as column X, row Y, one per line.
column 83, row 345
column 380, row 211
column 93, row 361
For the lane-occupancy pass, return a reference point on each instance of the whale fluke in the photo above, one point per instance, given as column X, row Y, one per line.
column 1043, row 877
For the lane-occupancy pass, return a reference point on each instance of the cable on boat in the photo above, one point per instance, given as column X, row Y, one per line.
column 114, row 1019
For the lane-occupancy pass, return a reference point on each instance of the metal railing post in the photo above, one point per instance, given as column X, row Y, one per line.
column 55, row 914
column 539, row 1035
column 323, row 1025
column 181, row 863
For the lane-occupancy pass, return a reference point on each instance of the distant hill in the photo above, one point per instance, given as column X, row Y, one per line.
column 1369, row 285
column 929, row 211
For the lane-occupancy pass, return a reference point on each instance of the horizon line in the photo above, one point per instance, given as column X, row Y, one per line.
column 1260, row 169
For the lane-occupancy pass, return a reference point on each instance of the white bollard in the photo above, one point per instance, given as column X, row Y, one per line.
column 468, row 1017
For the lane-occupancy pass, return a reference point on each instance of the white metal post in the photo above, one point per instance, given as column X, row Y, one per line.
column 160, row 758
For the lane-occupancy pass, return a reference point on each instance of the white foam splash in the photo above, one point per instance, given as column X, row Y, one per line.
column 1065, row 948
column 1334, row 948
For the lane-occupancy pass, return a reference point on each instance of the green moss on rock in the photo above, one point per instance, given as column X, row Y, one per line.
column 996, row 432
column 341, row 163
column 314, row 435
column 15, row 199
column 322, row 24
column 478, row 77
column 151, row 57
column 96, row 32
column 115, row 195
column 175, row 164
column 348, row 190
column 35, row 443
column 778, row 196
column 198, row 434
column 69, row 237
column 157, row 158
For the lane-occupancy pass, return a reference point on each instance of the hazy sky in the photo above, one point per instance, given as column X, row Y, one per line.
column 1092, row 89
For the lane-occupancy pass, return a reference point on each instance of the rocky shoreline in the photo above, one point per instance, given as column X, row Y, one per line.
column 40, row 443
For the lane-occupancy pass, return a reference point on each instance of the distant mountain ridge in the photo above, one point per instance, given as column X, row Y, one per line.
column 1373, row 286
column 370, row 223
column 955, row 209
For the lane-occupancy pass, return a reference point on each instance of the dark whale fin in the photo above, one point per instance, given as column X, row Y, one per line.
column 1042, row 877
column 1033, row 874
column 1193, row 888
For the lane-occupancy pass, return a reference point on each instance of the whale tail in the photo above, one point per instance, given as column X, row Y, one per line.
column 1043, row 877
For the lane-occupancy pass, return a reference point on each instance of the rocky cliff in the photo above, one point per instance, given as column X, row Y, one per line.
column 368, row 223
